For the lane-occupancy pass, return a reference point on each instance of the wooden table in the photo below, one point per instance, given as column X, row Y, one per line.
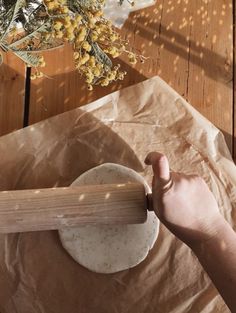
column 189, row 44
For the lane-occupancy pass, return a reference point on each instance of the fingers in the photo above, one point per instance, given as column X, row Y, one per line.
column 160, row 167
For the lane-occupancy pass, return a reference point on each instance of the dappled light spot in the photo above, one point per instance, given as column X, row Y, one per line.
column 182, row 41
column 62, row 84
column 39, row 99
column 107, row 196
column 223, row 245
column 214, row 38
column 66, row 100
column 81, row 197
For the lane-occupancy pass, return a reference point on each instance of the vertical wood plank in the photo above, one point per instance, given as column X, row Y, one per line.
column 210, row 80
column 64, row 90
column 12, row 90
column 188, row 43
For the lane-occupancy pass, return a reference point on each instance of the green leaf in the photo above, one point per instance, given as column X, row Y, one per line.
column 101, row 55
column 32, row 59
column 34, row 34
column 15, row 14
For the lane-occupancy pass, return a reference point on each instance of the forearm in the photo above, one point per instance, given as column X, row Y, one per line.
column 190, row 211
column 218, row 257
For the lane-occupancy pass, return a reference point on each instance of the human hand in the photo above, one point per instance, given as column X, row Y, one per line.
column 188, row 208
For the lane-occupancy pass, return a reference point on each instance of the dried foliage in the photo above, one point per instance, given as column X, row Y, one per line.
column 29, row 27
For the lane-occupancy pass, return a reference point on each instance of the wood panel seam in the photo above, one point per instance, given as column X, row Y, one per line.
column 27, row 97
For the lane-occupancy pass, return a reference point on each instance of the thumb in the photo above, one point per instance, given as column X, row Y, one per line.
column 161, row 168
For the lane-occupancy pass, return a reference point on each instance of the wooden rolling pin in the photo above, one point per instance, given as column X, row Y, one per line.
column 55, row 208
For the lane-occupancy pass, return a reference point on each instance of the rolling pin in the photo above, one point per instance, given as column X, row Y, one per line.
column 56, row 208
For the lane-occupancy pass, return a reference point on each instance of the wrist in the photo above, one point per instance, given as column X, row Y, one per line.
column 212, row 236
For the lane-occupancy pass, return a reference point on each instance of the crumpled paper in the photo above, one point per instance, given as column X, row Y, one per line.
column 38, row 276
column 118, row 14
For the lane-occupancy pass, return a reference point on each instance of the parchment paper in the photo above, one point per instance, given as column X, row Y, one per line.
column 38, row 276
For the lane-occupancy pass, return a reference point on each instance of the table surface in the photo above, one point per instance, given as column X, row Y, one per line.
column 190, row 44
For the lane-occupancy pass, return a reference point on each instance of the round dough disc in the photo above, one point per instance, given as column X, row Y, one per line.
column 109, row 248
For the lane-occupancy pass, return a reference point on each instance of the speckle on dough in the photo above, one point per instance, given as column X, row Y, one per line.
column 109, row 248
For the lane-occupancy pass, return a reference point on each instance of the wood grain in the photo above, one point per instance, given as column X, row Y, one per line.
column 210, row 58
column 54, row 208
column 189, row 44
column 12, row 90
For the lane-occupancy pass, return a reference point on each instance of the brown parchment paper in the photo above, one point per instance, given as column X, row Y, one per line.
column 38, row 276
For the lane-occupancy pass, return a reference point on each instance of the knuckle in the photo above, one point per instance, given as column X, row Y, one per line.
column 199, row 179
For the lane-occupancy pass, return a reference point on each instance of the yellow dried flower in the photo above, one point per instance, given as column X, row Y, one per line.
column 92, row 22
column 105, row 82
column 98, row 13
column 52, row 6
column 111, row 75
column 47, row 36
column 89, row 79
column 67, row 24
column 96, row 71
column 132, row 58
column 41, row 59
column 116, row 55
column 74, row 24
column 86, row 46
column 81, row 35
column 57, row 25
column 76, row 55
column 113, row 37
column 109, row 23
column 70, row 29
column 78, row 18
column 94, row 36
column 39, row 75
column 85, row 58
column 92, row 61
column 121, row 75
column 112, row 50
column 70, row 36
column 64, row 10
column 43, row 64
column 85, row 30
column 102, row 38
column 33, row 77
column 59, row 34
column 67, row 18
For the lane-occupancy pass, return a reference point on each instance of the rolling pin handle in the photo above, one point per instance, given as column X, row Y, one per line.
column 149, row 202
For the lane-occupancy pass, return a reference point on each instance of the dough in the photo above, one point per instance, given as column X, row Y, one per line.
column 109, row 248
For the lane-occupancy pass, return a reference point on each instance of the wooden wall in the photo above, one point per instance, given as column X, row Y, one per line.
column 188, row 43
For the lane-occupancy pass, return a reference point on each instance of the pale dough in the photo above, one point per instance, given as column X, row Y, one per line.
column 109, row 248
